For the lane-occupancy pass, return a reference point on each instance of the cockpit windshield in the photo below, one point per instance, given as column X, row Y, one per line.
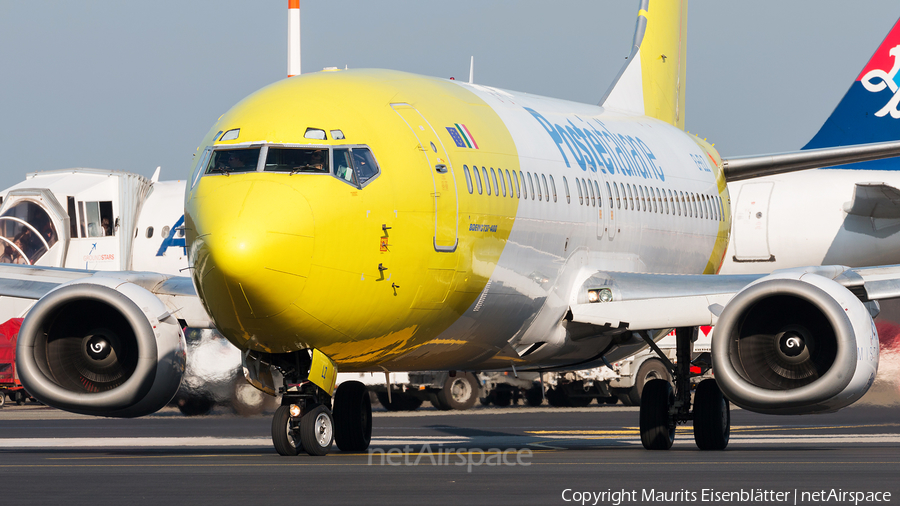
column 295, row 160
column 226, row 161
column 352, row 164
column 26, row 233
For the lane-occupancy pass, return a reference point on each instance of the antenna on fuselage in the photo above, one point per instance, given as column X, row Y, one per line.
column 293, row 38
column 472, row 70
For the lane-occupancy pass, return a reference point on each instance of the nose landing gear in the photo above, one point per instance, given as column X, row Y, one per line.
column 305, row 421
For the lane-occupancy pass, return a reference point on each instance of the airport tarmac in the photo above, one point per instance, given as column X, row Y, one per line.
column 483, row 456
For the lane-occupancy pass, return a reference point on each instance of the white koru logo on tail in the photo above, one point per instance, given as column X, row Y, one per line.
column 886, row 80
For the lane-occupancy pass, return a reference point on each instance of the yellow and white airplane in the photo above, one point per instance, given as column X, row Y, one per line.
column 372, row 220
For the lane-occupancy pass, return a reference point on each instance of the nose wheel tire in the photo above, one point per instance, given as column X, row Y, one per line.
column 283, row 437
column 352, row 417
column 317, row 431
column 712, row 418
column 657, row 426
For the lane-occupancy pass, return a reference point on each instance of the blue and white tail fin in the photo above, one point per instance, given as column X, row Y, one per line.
column 870, row 110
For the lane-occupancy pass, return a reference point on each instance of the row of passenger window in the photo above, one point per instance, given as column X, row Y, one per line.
column 650, row 199
column 531, row 184
column 620, row 195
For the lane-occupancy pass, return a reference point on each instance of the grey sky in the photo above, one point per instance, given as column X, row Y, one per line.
column 132, row 85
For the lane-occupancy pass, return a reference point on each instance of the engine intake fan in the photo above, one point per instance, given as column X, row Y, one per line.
column 788, row 345
column 99, row 348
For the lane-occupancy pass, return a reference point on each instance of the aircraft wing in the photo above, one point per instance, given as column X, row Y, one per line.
column 748, row 167
column 176, row 292
column 657, row 301
column 30, row 282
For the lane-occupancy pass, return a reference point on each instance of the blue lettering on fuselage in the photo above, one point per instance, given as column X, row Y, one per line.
column 552, row 131
column 702, row 166
column 170, row 241
column 593, row 147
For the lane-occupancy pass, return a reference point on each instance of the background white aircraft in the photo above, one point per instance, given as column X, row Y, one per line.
column 849, row 214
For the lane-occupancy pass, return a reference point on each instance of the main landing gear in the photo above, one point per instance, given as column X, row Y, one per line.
column 305, row 420
column 663, row 408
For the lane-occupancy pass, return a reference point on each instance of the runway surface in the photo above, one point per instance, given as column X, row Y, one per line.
column 484, row 456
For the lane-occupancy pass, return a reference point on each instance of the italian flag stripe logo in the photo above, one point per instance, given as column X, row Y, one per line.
column 466, row 135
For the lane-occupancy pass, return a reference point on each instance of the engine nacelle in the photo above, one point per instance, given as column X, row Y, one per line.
column 795, row 343
column 103, row 347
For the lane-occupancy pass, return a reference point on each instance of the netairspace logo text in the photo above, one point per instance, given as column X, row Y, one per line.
column 468, row 457
column 711, row 495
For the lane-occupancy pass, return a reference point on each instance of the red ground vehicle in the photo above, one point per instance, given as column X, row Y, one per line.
column 10, row 386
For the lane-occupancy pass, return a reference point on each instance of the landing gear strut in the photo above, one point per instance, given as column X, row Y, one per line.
column 663, row 408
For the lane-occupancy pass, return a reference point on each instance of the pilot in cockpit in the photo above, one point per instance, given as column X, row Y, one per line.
column 234, row 161
column 317, row 160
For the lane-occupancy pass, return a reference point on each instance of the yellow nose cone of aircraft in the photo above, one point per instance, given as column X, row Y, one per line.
column 363, row 253
column 252, row 253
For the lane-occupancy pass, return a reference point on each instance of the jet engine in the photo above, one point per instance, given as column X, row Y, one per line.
column 794, row 343
column 101, row 347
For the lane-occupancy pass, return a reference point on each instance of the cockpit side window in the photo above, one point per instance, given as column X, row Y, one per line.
column 199, row 169
column 295, row 160
column 226, row 161
column 356, row 166
column 365, row 165
column 343, row 166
